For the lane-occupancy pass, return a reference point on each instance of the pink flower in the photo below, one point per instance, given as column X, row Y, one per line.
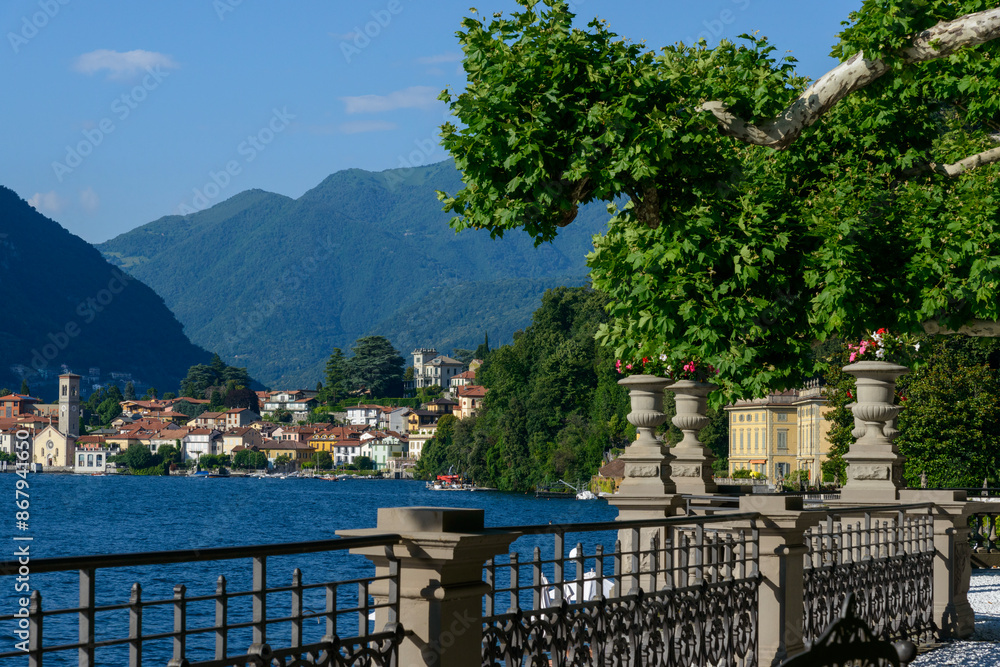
column 689, row 367
column 628, row 366
column 853, row 356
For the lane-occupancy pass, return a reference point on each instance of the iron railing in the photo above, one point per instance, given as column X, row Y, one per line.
column 202, row 630
column 683, row 591
column 886, row 560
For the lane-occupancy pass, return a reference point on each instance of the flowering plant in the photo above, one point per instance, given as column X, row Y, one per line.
column 884, row 346
column 690, row 370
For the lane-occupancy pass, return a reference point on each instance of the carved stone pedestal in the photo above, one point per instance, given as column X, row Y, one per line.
column 692, row 467
column 875, row 466
column 647, row 491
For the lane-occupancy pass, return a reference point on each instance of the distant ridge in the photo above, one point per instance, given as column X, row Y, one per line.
column 274, row 284
column 65, row 305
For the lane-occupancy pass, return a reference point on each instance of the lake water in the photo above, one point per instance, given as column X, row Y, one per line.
column 76, row 515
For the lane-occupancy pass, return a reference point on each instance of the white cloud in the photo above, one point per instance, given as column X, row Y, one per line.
column 48, row 203
column 440, row 58
column 414, row 97
column 89, row 200
column 122, row 65
column 359, row 126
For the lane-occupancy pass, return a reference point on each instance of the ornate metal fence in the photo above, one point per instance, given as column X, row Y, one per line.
column 203, row 630
column 688, row 597
column 984, row 537
column 888, row 563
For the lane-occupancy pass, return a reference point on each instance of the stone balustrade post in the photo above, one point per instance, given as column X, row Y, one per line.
column 647, row 490
column 441, row 555
column 691, row 470
column 781, row 551
column 953, row 614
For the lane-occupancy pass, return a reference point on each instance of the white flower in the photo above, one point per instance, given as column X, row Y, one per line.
column 917, row 347
column 663, row 357
column 879, row 353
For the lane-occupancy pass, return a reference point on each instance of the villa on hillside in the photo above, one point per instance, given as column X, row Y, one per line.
column 430, row 368
column 297, row 401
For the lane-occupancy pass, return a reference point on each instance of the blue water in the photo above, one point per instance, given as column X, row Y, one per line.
column 74, row 516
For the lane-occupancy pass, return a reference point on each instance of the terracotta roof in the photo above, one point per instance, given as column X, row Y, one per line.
column 472, row 390
column 286, row 444
column 201, row 431
column 467, row 375
column 19, row 397
column 615, row 468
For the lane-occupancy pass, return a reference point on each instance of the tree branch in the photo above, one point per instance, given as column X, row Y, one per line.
column 854, row 74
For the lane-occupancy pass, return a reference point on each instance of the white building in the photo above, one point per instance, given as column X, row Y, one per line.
column 201, row 441
column 345, row 451
column 364, row 415
column 430, row 368
column 298, row 401
column 90, row 462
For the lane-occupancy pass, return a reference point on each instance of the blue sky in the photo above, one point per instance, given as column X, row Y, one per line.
column 117, row 113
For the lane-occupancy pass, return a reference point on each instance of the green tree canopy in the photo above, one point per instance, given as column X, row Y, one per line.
column 335, row 378
column 242, row 398
column 138, row 456
column 376, row 366
column 870, row 215
column 323, row 460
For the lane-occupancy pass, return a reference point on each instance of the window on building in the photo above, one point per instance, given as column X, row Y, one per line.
column 741, row 441
column 782, row 440
column 79, row 461
column 782, row 416
column 756, row 440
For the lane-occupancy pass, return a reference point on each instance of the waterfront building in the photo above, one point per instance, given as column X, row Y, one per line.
column 243, row 436
column 201, row 441
column 417, row 438
column 382, row 447
column 296, row 451
column 780, row 434
column 53, row 446
column 92, row 455
column 346, row 450
column 328, row 439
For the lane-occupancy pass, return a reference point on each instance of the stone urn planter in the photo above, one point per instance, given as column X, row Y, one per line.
column 647, row 461
column 875, row 466
column 692, row 466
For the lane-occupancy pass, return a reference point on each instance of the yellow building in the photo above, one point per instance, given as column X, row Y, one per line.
column 780, row 434
column 295, row 451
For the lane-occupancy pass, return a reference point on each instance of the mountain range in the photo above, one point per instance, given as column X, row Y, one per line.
column 67, row 308
column 274, row 283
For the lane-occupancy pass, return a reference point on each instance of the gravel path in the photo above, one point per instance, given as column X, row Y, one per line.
column 983, row 650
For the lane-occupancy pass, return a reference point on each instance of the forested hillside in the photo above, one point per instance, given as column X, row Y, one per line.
column 274, row 284
column 66, row 305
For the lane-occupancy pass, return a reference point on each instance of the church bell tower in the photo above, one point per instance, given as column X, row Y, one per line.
column 69, row 404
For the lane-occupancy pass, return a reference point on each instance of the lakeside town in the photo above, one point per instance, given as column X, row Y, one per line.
column 783, row 436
